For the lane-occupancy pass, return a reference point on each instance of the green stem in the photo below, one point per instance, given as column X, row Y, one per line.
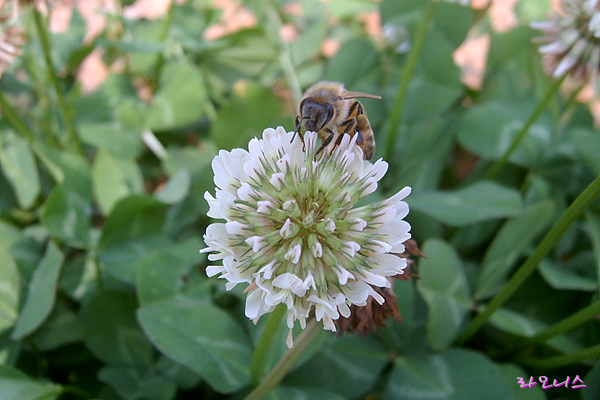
column 260, row 353
column 313, row 328
column 585, row 198
column 164, row 34
column 14, row 119
column 411, row 63
column 560, row 361
column 497, row 166
column 568, row 324
column 64, row 108
column 39, row 84
column 285, row 55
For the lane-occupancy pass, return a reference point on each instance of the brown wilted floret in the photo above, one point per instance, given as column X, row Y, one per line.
column 366, row 319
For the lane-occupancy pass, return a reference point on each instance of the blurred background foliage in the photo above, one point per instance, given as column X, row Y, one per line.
column 106, row 142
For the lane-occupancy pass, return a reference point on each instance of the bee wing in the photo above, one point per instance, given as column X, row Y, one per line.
column 357, row 95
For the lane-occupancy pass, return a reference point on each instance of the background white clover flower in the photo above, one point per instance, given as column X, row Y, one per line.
column 292, row 230
column 571, row 41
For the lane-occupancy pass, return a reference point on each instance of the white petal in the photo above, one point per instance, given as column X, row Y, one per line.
column 228, row 168
column 291, row 282
column 317, row 250
column 255, row 306
column 405, row 191
column 267, row 270
column 379, row 246
column 293, row 255
column 374, row 279
column 256, row 242
column 359, row 224
column 388, row 264
column 369, row 186
column 343, row 274
column 264, row 206
column 235, row 228
column 286, row 230
column 278, row 180
column 351, row 248
column 288, row 205
column 245, row 192
column 284, row 163
column 213, row 270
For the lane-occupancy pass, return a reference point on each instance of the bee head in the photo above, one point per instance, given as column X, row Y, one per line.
column 315, row 115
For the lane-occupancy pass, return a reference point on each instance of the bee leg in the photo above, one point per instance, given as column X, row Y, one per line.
column 325, row 142
column 298, row 131
column 349, row 127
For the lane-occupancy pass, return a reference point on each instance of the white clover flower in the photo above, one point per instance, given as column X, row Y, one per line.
column 293, row 232
column 571, row 41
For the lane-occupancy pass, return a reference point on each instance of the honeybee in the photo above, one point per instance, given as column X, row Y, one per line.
column 357, row 123
column 329, row 109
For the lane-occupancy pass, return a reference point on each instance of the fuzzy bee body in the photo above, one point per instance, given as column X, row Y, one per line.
column 330, row 110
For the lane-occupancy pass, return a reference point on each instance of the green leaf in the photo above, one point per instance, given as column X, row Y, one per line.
column 112, row 137
column 114, row 179
column 176, row 188
column 133, row 217
column 453, row 22
column 587, row 145
column 201, row 337
column 510, row 243
column 478, row 202
column 197, row 161
column 515, row 323
column 180, row 98
column 436, row 84
column 283, row 392
column 111, row 331
column 406, row 336
column 41, row 294
column 308, row 45
column 69, row 169
column 109, row 183
column 61, row 328
column 18, row 164
column 14, row 385
column 185, row 377
column 510, row 372
column 79, row 276
column 65, row 215
column 421, row 105
column 10, row 286
column 337, row 68
column 121, row 259
column 137, row 383
column 445, row 289
column 9, row 349
column 246, row 53
column 489, row 129
column 160, row 276
column 350, row 359
column 250, row 111
column 350, row 8
column 592, row 380
column 527, row 326
column 424, row 150
column 454, row 374
column 563, row 278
